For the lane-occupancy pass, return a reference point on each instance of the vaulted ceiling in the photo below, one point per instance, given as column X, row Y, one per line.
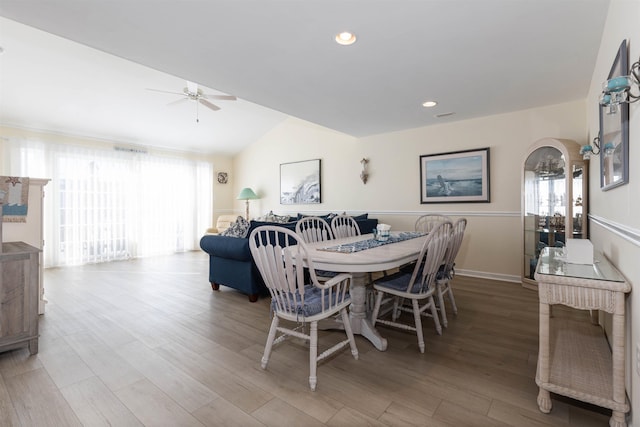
column 84, row 67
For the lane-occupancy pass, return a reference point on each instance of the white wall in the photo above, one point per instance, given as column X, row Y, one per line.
column 494, row 244
column 617, row 229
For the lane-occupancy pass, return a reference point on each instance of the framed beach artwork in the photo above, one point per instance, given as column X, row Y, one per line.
column 300, row 182
column 455, row 177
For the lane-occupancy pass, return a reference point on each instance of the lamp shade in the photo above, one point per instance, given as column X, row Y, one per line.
column 247, row 194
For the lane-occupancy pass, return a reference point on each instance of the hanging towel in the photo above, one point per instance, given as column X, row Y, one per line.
column 15, row 196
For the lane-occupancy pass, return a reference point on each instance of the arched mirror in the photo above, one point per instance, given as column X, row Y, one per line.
column 554, row 199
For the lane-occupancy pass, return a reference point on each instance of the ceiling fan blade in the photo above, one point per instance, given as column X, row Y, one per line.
column 165, row 91
column 179, row 101
column 208, row 104
column 223, row 97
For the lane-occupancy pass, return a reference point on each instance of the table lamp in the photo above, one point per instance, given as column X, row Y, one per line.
column 247, row 194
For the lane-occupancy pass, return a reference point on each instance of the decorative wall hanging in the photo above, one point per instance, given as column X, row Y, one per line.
column 455, row 177
column 300, row 182
column 364, row 175
column 223, row 177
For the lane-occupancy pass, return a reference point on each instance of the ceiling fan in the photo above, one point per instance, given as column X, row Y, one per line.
column 193, row 93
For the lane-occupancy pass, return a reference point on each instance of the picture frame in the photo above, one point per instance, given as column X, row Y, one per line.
column 614, row 130
column 223, row 177
column 455, row 177
column 300, row 182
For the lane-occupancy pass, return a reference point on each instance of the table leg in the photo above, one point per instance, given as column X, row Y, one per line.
column 617, row 353
column 358, row 314
column 544, row 398
column 360, row 318
column 33, row 346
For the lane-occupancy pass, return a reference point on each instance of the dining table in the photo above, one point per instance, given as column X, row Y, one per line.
column 360, row 256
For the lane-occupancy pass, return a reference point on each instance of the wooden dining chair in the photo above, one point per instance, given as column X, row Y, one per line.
column 312, row 229
column 280, row 256
column 446, row 271
column 344, row 226
column 426, row 222
column 417, row 286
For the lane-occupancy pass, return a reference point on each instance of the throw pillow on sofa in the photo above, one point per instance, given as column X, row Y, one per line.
column 280, row 219
column 271, row 217
column 237, row 229
column 360, row 217
column 327, row 217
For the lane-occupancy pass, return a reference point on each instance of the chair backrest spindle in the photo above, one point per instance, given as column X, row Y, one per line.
column 314, row 229
column 344, row 226
column 430, row 258
column 455, row 242
column 428, row 221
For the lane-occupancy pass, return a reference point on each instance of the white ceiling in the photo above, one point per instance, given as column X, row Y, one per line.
column 475, row 57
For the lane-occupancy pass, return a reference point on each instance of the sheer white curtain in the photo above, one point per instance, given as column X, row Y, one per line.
column 104, row 205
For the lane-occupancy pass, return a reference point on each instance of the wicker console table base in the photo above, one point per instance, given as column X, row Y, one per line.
column 574, row 358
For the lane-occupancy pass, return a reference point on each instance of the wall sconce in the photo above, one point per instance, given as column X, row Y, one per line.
column 364, row 175
column 617, row 90
column 247, row 194
column 587, row 150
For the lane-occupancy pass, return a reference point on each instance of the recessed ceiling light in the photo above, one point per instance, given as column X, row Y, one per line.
column 346, row 38
column 429, row 104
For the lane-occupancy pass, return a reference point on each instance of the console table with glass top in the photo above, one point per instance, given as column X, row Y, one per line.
column 574, row 358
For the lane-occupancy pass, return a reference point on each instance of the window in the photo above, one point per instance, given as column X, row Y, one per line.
column 103, row 205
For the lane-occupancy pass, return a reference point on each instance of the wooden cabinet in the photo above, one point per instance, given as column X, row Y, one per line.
column 31, row 231
column 574, row 358
column 554, row 199
column 19, row 295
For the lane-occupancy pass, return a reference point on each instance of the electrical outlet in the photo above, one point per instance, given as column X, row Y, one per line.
column 638, row 359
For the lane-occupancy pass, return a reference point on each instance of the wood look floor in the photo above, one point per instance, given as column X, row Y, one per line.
column 147, row 342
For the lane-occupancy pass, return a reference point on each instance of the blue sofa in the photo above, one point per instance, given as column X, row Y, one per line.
column 231, row 264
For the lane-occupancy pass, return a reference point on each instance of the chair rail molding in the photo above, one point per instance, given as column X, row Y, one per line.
column 630, row 234
column 452, row 213
column 422, row 212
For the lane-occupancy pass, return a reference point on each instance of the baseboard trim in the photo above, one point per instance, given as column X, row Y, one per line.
column 487, row 275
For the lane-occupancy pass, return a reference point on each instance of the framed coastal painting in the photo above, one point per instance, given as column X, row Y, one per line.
column 455, row 177
column 300, row 182
column 614, row 132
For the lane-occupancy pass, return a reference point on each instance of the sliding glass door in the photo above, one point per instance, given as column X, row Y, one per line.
column 104, row 205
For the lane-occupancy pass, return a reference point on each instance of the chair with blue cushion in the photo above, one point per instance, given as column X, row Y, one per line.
column 417, row 286
column 426, row 222
column 447, row 272
column 313, row 229
column 344, row 226
column 282, row 258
